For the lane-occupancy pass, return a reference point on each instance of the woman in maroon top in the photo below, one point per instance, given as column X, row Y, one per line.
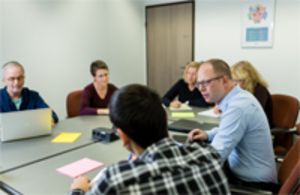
column 96, row 96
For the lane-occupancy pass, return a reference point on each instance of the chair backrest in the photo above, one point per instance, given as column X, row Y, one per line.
column 285, row 111
column 292, row 184
column 73, row 103
column 289, row 163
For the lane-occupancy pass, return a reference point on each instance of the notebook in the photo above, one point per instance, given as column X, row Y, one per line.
column 185, row 126
column 25, row 124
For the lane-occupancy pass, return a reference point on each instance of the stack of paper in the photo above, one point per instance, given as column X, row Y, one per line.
column 209, row 113
column 182, row 114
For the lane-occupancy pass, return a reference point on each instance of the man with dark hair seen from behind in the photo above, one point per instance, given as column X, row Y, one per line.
column 162, row 166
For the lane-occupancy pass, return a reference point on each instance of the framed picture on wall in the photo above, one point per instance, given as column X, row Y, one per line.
column 258, row 23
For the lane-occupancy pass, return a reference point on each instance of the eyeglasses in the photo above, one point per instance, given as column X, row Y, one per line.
column 12, row 79
column 205, row 83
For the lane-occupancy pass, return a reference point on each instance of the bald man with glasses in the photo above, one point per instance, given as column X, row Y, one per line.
column 243, row 137
column 14, row 96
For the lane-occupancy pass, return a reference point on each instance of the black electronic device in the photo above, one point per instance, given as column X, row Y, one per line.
column 180, row 138
column 104, row 134
column 185, row 126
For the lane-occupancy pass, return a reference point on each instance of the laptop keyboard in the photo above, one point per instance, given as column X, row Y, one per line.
column 186, row 126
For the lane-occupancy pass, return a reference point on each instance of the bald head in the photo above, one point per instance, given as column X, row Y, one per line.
column 11, row 64
column 220, row 67
column 13, row 78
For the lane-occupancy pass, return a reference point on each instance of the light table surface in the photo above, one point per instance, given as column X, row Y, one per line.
column 42, row 177
column 20, row 153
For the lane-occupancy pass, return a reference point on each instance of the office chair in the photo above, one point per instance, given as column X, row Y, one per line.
column 73, row 103
column 285, row 113
column 298, row 129
column 288, row 175
column 289, row 170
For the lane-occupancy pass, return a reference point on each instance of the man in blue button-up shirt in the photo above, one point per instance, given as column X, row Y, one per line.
column 243, row 137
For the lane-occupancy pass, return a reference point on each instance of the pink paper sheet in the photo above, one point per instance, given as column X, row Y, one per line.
column 79, row 167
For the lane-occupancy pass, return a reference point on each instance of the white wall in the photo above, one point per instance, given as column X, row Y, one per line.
column 218, row 34
column 57, row 40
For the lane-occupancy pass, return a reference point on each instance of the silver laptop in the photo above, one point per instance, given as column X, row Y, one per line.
column 25, row 124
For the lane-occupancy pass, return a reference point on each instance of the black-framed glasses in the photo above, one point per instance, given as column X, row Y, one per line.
column 205, row 83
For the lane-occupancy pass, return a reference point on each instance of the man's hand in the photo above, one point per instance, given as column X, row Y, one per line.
column 217, row 110
column 197, row 135
column 81, row 182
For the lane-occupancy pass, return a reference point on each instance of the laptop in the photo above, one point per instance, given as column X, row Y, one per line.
column 185, row 126
column 25, row 124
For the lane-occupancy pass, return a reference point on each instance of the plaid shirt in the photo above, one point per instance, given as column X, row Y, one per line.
column 166, row 167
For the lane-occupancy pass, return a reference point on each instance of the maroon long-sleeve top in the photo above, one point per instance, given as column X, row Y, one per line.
column 90, row 100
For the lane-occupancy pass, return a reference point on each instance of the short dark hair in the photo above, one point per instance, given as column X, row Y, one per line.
column 96, row 65
column 138, row 111
column 220, row 67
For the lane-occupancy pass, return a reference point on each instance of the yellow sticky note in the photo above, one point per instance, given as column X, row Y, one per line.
column 66, row 137
column 183, row 114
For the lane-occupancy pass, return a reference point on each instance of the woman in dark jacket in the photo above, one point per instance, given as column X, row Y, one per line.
column 185, row 90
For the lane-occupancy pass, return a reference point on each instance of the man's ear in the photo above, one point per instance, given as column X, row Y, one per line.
column 125, row 139
column 225, row 80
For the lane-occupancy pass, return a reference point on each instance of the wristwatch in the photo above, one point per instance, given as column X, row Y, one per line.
column 77, row 192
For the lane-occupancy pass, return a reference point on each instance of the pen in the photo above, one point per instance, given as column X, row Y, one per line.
column 130, row 156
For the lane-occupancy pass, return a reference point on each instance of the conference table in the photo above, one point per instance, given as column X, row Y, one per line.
column 201, row 118
column 30, row 165
column 42, row 177
column 20, row 153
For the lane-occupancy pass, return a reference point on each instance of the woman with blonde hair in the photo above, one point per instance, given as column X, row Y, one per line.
column 185, row 89
column 249, row 79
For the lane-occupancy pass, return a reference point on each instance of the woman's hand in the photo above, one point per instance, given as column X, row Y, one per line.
column 175, row 104
column 103, row 111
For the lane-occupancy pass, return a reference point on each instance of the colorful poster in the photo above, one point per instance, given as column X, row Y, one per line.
column 258, row 23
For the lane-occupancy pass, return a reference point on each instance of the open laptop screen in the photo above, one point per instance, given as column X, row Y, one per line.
column 25, row 124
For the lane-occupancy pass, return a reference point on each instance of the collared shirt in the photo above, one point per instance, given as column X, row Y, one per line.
column 243, row 138
column 17, row 103
column 166, row 167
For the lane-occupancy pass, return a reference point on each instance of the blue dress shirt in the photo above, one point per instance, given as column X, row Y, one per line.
column 243, row 138
column 30, row 100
